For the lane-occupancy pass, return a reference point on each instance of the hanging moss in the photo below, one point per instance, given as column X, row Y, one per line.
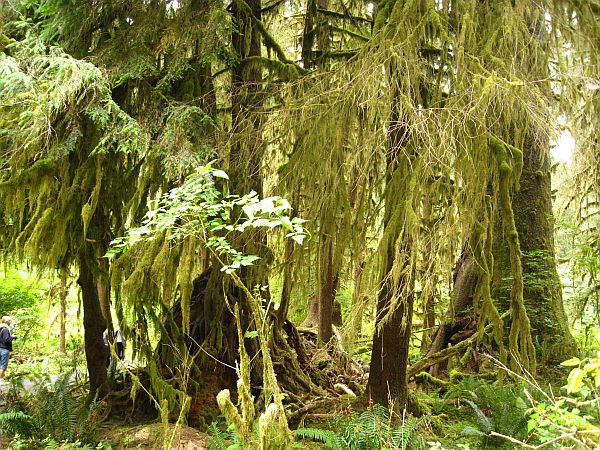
column 521, row 347
column 482, row 299
column 90, row 207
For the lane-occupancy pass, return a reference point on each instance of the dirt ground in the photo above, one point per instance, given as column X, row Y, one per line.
column 4, row 441
column 150, row 436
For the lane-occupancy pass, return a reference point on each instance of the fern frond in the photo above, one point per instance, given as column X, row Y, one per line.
column 17, row 422
column 403, row 436
column 217, row 437
column 331, row 439
column 482, row 420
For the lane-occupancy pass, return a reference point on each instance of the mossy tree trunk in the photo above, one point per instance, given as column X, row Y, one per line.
column 212, row 323
column 308, row 35
column 542, row 290
column 62, row 315
column 388, row 381
column 430, row 283
column 328, row 280
column 326, row 293
column 460, row 320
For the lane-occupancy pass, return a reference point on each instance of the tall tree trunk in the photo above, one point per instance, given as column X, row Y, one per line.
column 62, row 315
column 103, row 288
column 542, row 291
column 246, row 154
column 389, row 361
column 534, row 221
column 428, row 293
column 94, row 325
column 327, row 290
column 308, row 35
column 288, row 283
column 391, row 340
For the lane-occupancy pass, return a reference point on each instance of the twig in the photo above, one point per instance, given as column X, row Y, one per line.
column 525, row 444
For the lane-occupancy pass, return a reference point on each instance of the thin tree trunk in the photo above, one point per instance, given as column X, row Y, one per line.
column 428, row 293
column 103, row 288
column 308, row 35
column 312, row 319
column 358, row 305
column 288, row 283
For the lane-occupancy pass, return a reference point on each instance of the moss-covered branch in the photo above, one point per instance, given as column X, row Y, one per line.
column 338, row 15
column 449, row 352
column 270, row 42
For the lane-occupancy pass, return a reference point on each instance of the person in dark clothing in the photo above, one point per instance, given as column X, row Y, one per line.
column 6, row 338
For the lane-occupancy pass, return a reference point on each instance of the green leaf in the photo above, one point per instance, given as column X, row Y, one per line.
column 571, row 362
column 249, row 210
column 220, row 174
column 286, row 222
column 592, row 367
column 248, row 260
column 234, row 447
column 575, row 380
column 298, row 238
column 472, row 431
column 250, row 334
column 267, row 205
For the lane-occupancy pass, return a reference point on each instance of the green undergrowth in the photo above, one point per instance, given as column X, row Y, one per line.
column 51, row 416
column 462, row 416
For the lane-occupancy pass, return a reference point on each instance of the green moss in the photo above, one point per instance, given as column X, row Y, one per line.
column 428, row 379
column 520, row 342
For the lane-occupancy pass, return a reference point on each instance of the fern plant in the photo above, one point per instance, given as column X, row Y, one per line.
column 19, row 423
column 218, row 439
column 492, row 407
column 368, row 430
column 329, row 438
column 51, row 413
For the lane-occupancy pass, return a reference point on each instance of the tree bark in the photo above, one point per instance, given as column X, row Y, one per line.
column 308, row 35
column 103, row 288
column 542, row 290
column 327, row 291
column 94, row 325
column 460, row 319
column 388, row 381
column 62, row 315
column 428, row 293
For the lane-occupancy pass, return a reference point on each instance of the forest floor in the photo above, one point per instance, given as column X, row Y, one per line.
column 150, row 436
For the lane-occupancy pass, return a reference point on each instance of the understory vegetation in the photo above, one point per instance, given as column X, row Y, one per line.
column 276, row 224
